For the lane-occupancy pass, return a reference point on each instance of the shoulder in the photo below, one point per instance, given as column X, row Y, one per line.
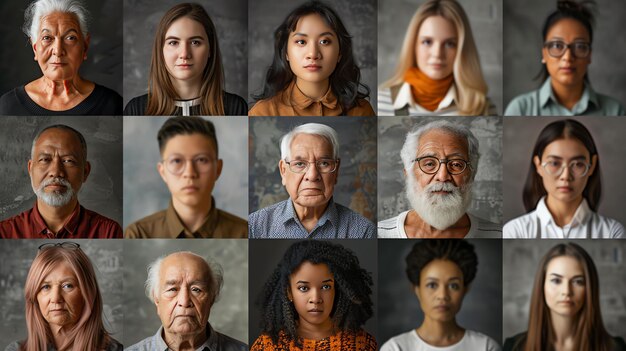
column 522, row 105
column 136, row 106
column 615, row 228
column 146, row 344
column 114, row 345
column 14, row 346
column 260, row 220
column 265, row 107
column 482, row 228
column 226, row 343
column 404, row 341
column 359, row 340
column 356, row 222
column 620, row 345
column 144, row 227
column 521, row 227
column 610, row 106
column 14, row 227
column 107, row 92
column 480, row 341
column 513, row 343
column 10, row 102
column 263, row 342
column 362, row 108
column 108, row 101
column 235, row 105
column 388, row 228
column 385, row 102
column 105, row 227
column 238, row 227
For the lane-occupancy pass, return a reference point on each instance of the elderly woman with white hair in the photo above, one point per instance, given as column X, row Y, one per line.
column 59, row 36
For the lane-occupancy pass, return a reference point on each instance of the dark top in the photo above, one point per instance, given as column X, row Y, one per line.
column 102, row 102
column 234, row 105
column 510, row 344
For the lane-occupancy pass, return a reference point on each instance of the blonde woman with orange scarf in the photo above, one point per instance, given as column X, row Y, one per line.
column 439, row 71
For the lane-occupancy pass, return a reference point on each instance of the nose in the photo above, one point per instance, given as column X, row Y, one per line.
column 190, row 170
column 56, row 168
column 567, row 289
column 566, row 174
column 57, row 48
column 438, row 51
column 185, row 51
column 314, row 52
column 567, row 55
column 184, row 299
column 442, row 174
column 443, row 293
column 312, row 174
column 55, row 295
column 315, row 297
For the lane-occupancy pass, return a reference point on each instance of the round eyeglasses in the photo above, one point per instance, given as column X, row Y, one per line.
column 176, row 164
column 578, row 49
column 65, row 245
column 577, row 168
column 431, row 165
column 324, row 165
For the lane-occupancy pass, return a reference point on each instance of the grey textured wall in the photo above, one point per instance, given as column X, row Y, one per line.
column 356, row 186
column 144, row 190
column 17, row 257
column 229, row 314
column 523, row 42
column 102, row 192
column 400, row 310
column 520, row 135
column 266, row 254
column 485, row 19
column 141, row 19
column 487, row 188
column 104, row 56
column 265, row 16
column 520, row 265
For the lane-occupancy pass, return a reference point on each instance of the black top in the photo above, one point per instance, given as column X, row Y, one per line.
column 510, row 344
column 234, row 105
column 102, row 101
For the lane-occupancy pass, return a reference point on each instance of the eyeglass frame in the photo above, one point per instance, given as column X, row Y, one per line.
column 543, row 165
column 65, row 245
column 212, row 160
column 569, row 46
column 308, row 164
column 440, row 161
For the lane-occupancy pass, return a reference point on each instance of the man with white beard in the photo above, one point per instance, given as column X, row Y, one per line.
column 58, row 168
column 440, row 161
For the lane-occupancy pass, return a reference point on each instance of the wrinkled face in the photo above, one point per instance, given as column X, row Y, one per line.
column 59, row 298
column 312, row 291
column 60, row 47
column 183, row 299
column 441, row 290
column 310, row 189
column 196, row 158
column 57, row 168
column 312, row 49
column 186, row 49
column 436, row 46
column 567, row 70
column 565, row 187
column 564, row 287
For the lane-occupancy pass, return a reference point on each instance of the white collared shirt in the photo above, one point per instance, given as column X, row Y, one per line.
column 585, row 224
column 387, row 107
column 393, row 228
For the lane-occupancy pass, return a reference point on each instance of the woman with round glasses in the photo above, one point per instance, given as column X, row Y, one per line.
column 563, row 188
column 566, row 53
column 63, row 303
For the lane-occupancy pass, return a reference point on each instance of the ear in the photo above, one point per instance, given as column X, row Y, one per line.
column 282, row 167
column 337, row 170
column 87, row 40
column 544, row 55
column 416, row 290
column 538, row 167
column 592, row 168
column 289, row 296
column 156, row 301
column 161, row 170
column 30, row 165
column 34, row 47
column 86, row 171
column 220, row 164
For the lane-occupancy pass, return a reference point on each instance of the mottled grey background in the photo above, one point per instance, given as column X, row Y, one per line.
column 487, row 188
column 400, row 309
column 266, row 254
column 356, row 187
column 229, row 314
column 104, row 56
column 102, row 192
column 141, row 19
column 519, row 266
column 485, row 19
column 520, row 135
column 359, row 17
column 523, row 41
column 144, row 190
column 17, row 257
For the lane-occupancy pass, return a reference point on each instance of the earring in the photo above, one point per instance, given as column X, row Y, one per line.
column 543, row 61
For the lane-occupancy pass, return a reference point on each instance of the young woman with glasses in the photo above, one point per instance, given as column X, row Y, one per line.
column 563, row 188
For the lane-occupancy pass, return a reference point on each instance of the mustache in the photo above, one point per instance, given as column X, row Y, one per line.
column 445, row 186
column 54, row 181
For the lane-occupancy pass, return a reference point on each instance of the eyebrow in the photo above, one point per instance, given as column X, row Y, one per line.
column 431, row 37
column 437, row 279
column 574, row 277
column 447, row 157
column 305, row 282
column 190, row 38
column 178, row 282
column 563, row 39
column 579, row 157
column 320, row 35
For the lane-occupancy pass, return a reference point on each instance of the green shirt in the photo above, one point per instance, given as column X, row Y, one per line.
column 542, row 102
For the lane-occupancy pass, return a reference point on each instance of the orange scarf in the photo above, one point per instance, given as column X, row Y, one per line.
column 427, row 92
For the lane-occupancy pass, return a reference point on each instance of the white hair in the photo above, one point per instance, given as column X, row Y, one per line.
column 411, row 142
column 40, row 8
column 215, row 283
column 322, row 130
column 55, row 198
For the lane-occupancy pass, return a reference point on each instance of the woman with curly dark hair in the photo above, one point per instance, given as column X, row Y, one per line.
column 313, row 72
column 318, row 297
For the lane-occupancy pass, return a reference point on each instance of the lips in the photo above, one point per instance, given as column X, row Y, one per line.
column 190, row 188
column 564, row 189
column 184, row 66
column 315, row 310
column 313, row 68
column 568, row 69
column 442, row 308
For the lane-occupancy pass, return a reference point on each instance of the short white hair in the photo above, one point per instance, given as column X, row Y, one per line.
column 322, row 130
column 40, row 8
column 412, row 142
column 215, row 283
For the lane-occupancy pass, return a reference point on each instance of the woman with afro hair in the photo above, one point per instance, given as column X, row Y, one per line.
column 317, row 298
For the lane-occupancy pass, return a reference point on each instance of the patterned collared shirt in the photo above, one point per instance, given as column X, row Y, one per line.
column 214, row 342
column 280, row 221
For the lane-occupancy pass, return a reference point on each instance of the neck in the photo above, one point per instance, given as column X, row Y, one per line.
column 568, row 95
column 192, row 216
column 416, row 227
column 562, row 212
column 56, row 217
column 438, row 333
column 59, row 95
column 313, row 90
column 314, row 331
column 178, row 342
column 187, row 89
column 564, row 332
column 309, row 216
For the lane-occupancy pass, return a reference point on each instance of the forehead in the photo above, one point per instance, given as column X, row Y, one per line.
column 184, row 267
column 189, row 144
column 60, row 270
column 306, row 143
column 569, row 29
column 441, row 269
column 59, row 138
column 437, row 26
column 310, row 272
column 67, row 20
column 312, row 24
column 566, row 148
column 565, row 266
column 443, row 142
column 186, row 26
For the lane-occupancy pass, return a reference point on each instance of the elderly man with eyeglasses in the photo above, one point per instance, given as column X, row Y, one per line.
column 309, row 168
column 440, row 162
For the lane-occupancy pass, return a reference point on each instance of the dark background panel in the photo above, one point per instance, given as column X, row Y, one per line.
column 17, row 257
column 102, row 192
column 141, row 19
column 356, row 186
column 522, row 40
column 229, row 314
column 265, row 16
column 104, row 56
column 266, row 254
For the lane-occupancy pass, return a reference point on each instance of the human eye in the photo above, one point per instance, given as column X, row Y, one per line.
column 427, row 42
column 196, row 42
column 327, row 287
column 457, row 164
column 44, row 159
column 202, row 160
column 196, row 290
column 557, row 45
column 303, row 288
column 455, row 286
column 431, row 285
column 45, row 287
column 299, row 164
column 175, row 160
column 67, row 286
column 450, row 44
column 71, row 37
column 325, row 42
column 70, row 162
column 172, row 42
column 579, row 282
column 46, row 38
column 555, row 281
column 300, row 42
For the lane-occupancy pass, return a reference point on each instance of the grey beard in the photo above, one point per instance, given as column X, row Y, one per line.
column 55, row 198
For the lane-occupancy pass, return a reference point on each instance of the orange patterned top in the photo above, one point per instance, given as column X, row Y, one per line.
column 342, row 341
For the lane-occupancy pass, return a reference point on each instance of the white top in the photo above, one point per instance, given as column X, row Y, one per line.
column 393, row 228
column 585, row 224
column 387, row 107
column 471, row 341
